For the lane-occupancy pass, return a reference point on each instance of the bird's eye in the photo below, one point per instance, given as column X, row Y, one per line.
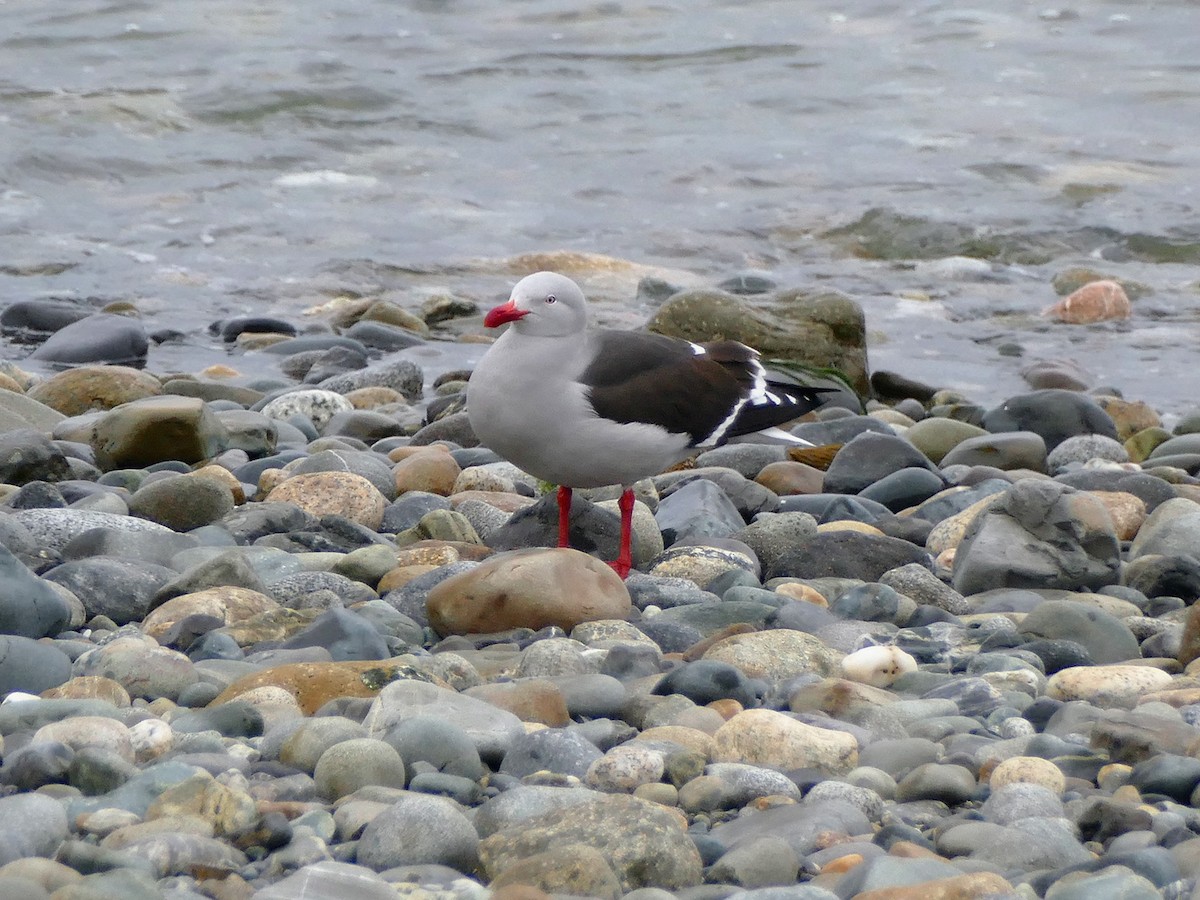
column 550, row 298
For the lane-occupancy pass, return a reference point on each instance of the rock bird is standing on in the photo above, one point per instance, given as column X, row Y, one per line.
column 585, row 409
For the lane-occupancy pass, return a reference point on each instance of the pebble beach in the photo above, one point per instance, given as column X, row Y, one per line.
column 297, row 635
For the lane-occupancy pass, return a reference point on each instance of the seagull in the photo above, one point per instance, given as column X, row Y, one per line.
column 583, row 408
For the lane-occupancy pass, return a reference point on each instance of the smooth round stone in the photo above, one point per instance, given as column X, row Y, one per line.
column 847, row 554
column 437, row 743
column 31, row 666
column 293, row 590
column 864, row 799
column 29, row 607
column 592, row 695
column 30, row 456
column 344, row 634
column 1084, row 447
column 182, row 503
column 776, row 654
column 100, row 338
column 156, row 430
column 624, row 768
column 1031, row 844
column 351, row 764
column 1054, row 414
column 1114, row 883
column 554, row 657
column 30, row 825
column 741, row 783
column 698, row 509
column 950, row 784
column 401, row 375
column 419, row 829
column 122, row 590
column 308, row 742
column 770, row 535
column 89, row 731
column 1107, row 686
column 1028, row 770
column 868, row 458
column 407, row 510
column 143, row 669
column 522, row 803
column 1010, row 803
column 337, row 493
column 560, row 751
column 1167, row 773
column 1006, row 451
column 35, row 765
column 788, row 477
column 757, row 863
column 700, row 564
column 765, row 737
column 907, row 487
column 936, row 436
column 873, row 602
column 706, row 680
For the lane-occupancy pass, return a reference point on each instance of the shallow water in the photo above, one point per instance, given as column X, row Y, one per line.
column 218, row 158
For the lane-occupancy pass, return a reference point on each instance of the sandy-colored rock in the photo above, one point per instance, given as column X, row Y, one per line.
column 89, row 731
column 763, row 737
column 972, row 886
column 777, row 654
column 575, row 870
column 402, row 575
column 1098, row 301
column 948, row 533
column 338, row 493
column 689, row 738
column 230, row 604
column 156, row 429
column 315, row 684
column 528, row 589
column 86, row 388
column 434, row 471
column 1130, row 416
column 374, row 397
column 230, row 811
column 1127, row 511
column 504, row 502
column 1117, row 686
column 797, row 591
column 90, row 687
column 1029, row 770
column 224, row 477
column 848, row 525
column 839, row 697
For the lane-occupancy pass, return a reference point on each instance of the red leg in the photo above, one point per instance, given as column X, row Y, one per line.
column 564, row 516
column 624, row 560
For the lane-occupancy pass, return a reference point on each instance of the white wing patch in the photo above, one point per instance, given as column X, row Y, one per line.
column 697, row 350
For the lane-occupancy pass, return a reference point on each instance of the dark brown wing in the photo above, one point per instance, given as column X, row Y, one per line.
column 686, row 388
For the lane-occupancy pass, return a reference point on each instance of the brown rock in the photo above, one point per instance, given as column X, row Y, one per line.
column 230, row 604
column 1130, row 416
column 839, row 698
column 90, row 687
column 1098, row 301
column 402, row 575
column 433, row 471
column 374, row 397
column 797, row 591
column 528, row 589
column 789, row 477
column 529, row 699
column 77, row 391
column 230, row 811
column 1189, row 648
column 157, row 429
column 340, row 493
column 973, row 886
column 315, row 684
column 270, row 625
column 777, row 654
column 224, row 477
column 576, row 870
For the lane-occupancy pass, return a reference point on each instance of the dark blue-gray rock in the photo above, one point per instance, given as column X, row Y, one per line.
column 839, row 431
column 704, row 681
column 251, row 521
column 30, row 825
column 868, row 458
column 437, row 743
column 1059, row 654
column 949, row 502
column 31, row 666
column 233, row 719
column 664, row 592
column 408, row 509
column 157, row 547
column 847, row 554
column 230, row 568
column 1164, row 576
column 972, row 696
column 29, row 607
column 34, row 765
column 419, row 829
column 1169, row 774
column 904, row 488
column 1106, row 638
column 800, row 615
column 230, row 329
column 835, row 507
column 709, row 618
column 411, row 599
column 100, row 338
column 98, row 770
column 555, row 749
column 344, row 634
column 749, row 497
column 1054, row 414
column 924, row 588
column 768, row 860
column 121, row 589
column 139, row 792
column 800, row 825
column 1039, row 534
column 28, row 455
column 699, row 509
column 381, row 336
column 872, row 602
column 41, row 316
column 670, row 636
column 182, row 503
column 949, row 784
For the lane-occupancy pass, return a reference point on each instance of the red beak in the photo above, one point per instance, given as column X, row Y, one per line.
column 507, row 312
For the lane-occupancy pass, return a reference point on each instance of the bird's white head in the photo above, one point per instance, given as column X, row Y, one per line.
column 544, row 304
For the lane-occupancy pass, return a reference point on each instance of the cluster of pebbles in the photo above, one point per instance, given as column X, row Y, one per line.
column 278, row 641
